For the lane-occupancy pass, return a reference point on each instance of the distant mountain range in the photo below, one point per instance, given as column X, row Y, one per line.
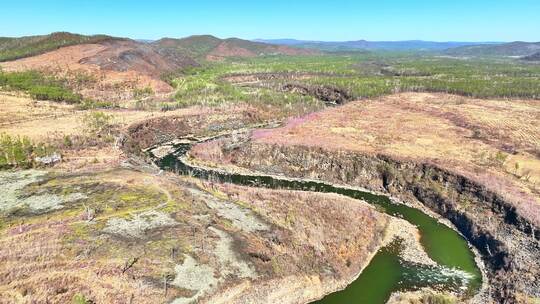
column 517, row 49
column 528, row 50
column 189, row 50
column 195, row 47
column 407, row 45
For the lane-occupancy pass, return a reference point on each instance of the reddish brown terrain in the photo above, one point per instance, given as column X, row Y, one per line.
column 110, row 70
column 254, row 246
column 229, row 48
column 101, row 220
column 474, row 162
column 494, row 143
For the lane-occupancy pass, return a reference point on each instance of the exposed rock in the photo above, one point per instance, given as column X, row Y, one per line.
column 201, row 278
column 139, row 224
column 241, row 218
column 230, row 263
column 410, row 237
column 507, row 241
column 49, row 159
column 12, row 196
column 329, row 94
column 162, row 151
column 194, row 276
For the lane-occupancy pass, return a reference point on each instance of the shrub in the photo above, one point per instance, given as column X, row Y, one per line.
column 54, row 94
column 437, row 299
column 144, row 92
column 68, row 142
column 88, row 104
column 16, row 151
column 99, row 124
column 80, row 299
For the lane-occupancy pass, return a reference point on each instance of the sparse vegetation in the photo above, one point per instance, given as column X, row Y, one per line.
column 178, row 223
column 141, row 93
column 15, row 48
column 99, row 124
column 362, row 75
column 80, row 299
column 482, row 78
column 434, row 298
column 16, row 151
column 38, row 86
column 205, row 86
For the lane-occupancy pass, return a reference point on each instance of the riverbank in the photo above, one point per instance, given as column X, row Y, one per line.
column 431, row 229
column 133, row 228
column 462, row 158
column 508, row 251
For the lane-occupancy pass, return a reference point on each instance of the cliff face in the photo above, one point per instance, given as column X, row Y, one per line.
column 507, row 241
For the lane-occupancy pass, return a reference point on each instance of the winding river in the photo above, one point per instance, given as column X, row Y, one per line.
column 387, row 272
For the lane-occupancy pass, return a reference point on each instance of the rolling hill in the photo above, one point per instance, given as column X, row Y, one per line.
column 98, row 67
column 517, row 48
column 15, row 48
column 114, row 68
column 193, row 46
column 212, row 48
column 129, row 55
column 407, row 45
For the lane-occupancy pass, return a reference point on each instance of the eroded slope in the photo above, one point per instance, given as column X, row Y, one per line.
column 494, row 142
column 474, row 162
column 108, row 70
column 121, row 234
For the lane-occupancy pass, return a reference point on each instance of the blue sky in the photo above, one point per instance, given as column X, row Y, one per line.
column 438, row 20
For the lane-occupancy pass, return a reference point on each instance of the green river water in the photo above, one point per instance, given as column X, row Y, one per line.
column 387, row 272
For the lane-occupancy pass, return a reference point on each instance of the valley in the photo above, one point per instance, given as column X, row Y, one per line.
column 208, row 170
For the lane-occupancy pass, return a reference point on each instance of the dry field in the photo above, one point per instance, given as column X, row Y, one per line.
column 102, row 81
column 116, row 236
column 49, row 123
column 50, row 254
column 40, row 120
column 495, row 142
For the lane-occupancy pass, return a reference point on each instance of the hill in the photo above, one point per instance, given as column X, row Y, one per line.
column 130, row 55
column 517, row 48
column 108, row 69
column 533, row 57
column 15, row 48
column 407, row 45
column 212, row 48
column 193, row 46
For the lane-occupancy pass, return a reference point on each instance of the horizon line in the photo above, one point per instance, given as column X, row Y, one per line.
column 269, row 39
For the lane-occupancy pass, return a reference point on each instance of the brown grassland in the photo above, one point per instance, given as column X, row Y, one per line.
column 57, row 255
column 101, row 82
column 60, row 254
column 495, row 142
column 256, row 245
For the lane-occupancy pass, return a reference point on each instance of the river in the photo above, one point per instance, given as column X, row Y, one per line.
column 387, row 272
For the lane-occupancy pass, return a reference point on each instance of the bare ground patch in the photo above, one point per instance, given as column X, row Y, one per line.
column 135, row 233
